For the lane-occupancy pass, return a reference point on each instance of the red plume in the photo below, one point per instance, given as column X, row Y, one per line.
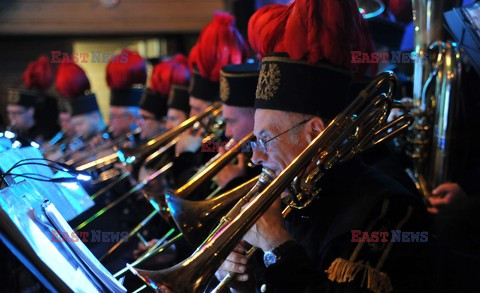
column 269, row 15
column 168, row 73
column 219, row 44
column 39, row 75
column 71, row 80
column 126, row 70
column 314, row 30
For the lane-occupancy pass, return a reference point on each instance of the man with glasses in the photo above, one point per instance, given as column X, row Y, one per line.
column 126, row 81
column 21, row 116
column 315, row 248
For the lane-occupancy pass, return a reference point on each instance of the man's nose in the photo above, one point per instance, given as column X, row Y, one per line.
column 228, row 131
column 258, row 156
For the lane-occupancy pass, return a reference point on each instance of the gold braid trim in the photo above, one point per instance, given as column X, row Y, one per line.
column 342, row 270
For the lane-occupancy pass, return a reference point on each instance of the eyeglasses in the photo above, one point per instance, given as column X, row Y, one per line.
column 261, row 144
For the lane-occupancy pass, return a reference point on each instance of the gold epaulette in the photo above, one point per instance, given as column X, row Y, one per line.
column 342, row 270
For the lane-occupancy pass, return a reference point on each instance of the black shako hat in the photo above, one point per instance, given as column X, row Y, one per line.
column 79, row 105
column 203, row 88
column 238, row 84
column 22, row 97
column 178, row 98
column 129, row 97
column 155, row 103
column 318, row 89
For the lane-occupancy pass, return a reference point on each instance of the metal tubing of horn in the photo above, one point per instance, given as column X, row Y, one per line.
column 212, row 168
column 133, row 190
column 196, row 218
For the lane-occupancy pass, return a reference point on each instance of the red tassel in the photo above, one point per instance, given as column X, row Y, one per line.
column 126, row 70
column 39, row 75
column 71, row 80
column 219, row 44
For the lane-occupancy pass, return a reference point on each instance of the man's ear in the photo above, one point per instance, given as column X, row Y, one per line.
column 314, row 127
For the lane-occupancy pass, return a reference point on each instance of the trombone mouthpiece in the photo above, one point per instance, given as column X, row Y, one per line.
column 266, row 176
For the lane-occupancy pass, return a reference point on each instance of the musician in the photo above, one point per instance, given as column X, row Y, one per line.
column 219, row 44
column 126, row 78
column 154, row 116
column 299, row 91
column 74, row 88
column 178, row 105
column 28, row 104
column 21, row 111
column 238, row 84
column 153, row 109
column 38, row 77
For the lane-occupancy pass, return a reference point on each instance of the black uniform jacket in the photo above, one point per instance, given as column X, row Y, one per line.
column 356, row 197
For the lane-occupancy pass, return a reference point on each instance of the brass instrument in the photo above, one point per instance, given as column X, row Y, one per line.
column 158, row 200
column 436, row 100
column 362, row 125
column 218, row 204
column 107, row 151
column 148, row 150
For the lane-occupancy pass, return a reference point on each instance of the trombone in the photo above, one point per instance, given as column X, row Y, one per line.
column 158, row 200
column 140, row 152
column 362, row 125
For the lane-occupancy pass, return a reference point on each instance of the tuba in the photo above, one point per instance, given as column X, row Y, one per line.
column 362, row 125
column 436, row 88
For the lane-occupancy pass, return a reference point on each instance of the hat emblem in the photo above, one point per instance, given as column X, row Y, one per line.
column 13, row 96
column 268, row 81
column 224, row 88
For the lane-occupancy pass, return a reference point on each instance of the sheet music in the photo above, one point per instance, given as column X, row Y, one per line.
column 19, row 208
column 82, row 251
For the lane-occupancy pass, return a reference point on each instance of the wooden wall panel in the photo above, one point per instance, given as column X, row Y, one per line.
column 90, row 17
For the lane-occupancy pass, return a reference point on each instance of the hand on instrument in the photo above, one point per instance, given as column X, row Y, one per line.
column 236, row 263
column 141, row 248
column 396, row 112
column 269, row 231
column 188, row 143
column 445, row 194
column 166, row 257
column 96, row 141
column 231, row 171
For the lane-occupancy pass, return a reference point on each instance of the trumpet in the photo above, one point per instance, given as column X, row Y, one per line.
column 362, row 125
